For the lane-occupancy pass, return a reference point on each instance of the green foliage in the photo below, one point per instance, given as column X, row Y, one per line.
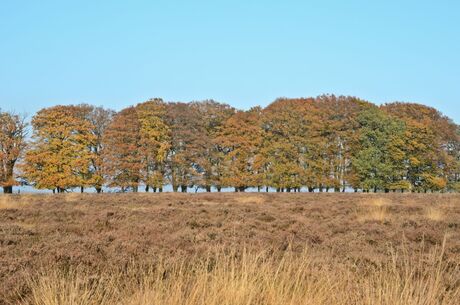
column 379, row 161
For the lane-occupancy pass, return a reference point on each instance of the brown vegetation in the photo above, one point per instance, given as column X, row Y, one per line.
column 230, row 249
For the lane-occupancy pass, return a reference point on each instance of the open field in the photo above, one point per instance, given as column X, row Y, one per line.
column 230, row 249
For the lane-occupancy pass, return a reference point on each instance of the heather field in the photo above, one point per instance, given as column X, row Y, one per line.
column 230, row 249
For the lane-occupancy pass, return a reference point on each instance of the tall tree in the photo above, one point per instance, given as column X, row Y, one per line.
column 379, row 161
column 286, row 153
column 239, row 139
column 155, row 137
column 13, row 131
column 454, row 184
column 100, row 119
column 337, row 128
column 432, row 143
column 186, row 141
column 209, row 158
column 122, row 150
column 59, row 157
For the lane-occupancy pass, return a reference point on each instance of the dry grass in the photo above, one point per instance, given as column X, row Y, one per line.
column 256, row 199
column 434, row 213
column 223, row 278
column 374, row 209
column 378, row 213
column 6, row 202
column 373, row 201
column 161, row 249
column 14, row 202
column 70, row 197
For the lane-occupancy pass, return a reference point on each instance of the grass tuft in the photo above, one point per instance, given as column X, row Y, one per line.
column 434, row 213
column 254, row 278
column 14, row 201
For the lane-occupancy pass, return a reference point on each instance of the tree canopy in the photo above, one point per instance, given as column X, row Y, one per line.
column 312, row 144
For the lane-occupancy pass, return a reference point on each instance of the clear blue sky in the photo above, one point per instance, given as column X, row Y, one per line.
column 245, row 53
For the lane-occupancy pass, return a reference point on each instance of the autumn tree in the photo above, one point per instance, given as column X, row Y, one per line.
column 239, row 140
column 455, row 180
column 187, row 130
column 287, row 154
column 59, row 157
column 135, row 147
column 122, row 150
column 336, row 127
column 100, row 119
column 154, row 142
column 13, row 131
column 209, row 159
column 431, row 145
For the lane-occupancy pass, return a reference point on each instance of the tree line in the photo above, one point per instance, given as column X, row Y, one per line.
column 315, row 144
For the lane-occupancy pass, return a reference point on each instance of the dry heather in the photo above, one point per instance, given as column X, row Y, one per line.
column 230, row 249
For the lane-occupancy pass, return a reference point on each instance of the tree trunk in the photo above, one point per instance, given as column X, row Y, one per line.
column 219, row 188
column 147, row 188
column 9, row 177
column 98, row 189
column 175, row 188
column 208, row 188
column 82, row 189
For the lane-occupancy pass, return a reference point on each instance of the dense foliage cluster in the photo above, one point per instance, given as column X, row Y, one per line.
column 13, row 131
column 324, row 143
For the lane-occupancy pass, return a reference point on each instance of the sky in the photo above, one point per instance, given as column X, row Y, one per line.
column 245, row 53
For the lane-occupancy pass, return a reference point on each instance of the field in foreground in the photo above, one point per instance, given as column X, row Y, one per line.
column 230, row 249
